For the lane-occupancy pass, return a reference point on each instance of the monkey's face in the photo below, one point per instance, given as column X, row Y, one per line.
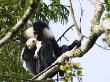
column 31, row 43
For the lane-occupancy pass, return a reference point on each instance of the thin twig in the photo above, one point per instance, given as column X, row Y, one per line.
column 65, row 32
column 74, row 21
column 81, row 14
column 97, row 44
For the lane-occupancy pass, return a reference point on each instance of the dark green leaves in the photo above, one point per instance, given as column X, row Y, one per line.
column 71, row 70
column 107, row 6
column 54, row 11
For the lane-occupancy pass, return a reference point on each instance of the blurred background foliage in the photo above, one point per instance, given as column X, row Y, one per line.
column 10, row 12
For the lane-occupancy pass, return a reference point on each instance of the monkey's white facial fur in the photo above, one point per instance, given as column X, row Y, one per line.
column 31, row 43
column 30, row 32
column 47, row 32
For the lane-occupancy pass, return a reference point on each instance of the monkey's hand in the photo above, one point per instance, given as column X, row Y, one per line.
column 75, row 43
column 38, row 45
column 78, row 43
column 36, row 55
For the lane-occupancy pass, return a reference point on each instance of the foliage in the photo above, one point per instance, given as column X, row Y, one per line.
column 54, row 11
column 107, row 8
column 71, row 70
column 10, row 13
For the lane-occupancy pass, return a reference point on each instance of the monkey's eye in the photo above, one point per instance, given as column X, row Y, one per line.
column 28, row 45
column 33, row 41
column 35, row 33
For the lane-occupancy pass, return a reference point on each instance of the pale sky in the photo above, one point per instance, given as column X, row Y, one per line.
column 96, row 63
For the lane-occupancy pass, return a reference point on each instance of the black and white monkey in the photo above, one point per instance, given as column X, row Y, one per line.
column 48, row 52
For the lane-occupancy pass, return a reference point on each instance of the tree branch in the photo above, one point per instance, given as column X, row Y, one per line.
column 33, row 5
column 97, row 15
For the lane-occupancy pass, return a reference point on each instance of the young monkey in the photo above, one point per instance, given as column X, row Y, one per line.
column 34, row 43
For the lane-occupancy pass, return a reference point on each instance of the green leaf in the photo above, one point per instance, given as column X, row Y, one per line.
column 107, row 15
column 79, row 72
column 106, row 1
column 63, row 67
column 107, row 7
column 76, row 66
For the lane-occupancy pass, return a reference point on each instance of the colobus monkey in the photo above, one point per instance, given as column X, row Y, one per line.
column 49, row 50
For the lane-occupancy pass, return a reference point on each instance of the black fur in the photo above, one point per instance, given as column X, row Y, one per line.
column 28, row 54
column 28, row 58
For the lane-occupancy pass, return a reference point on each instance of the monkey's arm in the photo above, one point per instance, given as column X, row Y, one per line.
column 38, row 45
